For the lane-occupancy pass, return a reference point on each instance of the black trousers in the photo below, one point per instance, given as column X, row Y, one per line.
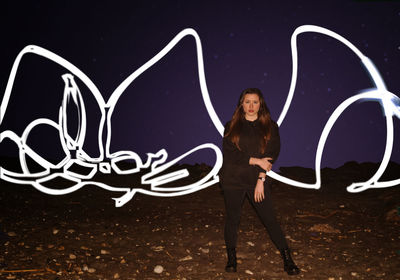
column 233, row 204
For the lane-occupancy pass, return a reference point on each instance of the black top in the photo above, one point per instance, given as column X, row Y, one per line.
column 236, row 172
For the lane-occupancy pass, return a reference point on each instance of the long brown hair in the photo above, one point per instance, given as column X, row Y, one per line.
column 264, row 118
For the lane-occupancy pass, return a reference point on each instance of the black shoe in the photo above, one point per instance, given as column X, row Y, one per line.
column 288, row 264
column 231, row 264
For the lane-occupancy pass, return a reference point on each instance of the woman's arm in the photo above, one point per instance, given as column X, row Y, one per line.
column 233, row 154
column 259, row 189
column 272, row 150
column 264, row 164
column 274, row 144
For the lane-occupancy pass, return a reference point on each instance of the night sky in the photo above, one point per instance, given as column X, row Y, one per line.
column 245, row 44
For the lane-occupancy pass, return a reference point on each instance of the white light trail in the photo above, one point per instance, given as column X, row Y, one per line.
column 379, row 94
column 106, row 162
column 72, row 145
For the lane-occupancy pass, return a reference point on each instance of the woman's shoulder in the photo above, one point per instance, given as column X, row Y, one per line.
column 226, row 127
column 274, row 127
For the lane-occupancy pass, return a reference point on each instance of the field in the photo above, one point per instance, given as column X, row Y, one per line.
column 333, row 234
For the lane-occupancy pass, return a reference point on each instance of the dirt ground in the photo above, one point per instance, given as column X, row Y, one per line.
column 333, row 234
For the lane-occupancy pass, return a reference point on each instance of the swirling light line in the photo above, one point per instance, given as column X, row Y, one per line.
column 380, row 94
column 157, row 161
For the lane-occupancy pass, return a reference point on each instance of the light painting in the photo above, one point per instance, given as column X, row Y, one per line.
column 158, row 162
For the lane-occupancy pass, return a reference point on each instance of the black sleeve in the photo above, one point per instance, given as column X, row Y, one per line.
column 274, row 143
column 273, row 146
column 231, row 153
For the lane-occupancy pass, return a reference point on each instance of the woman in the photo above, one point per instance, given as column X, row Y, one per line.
column 251, row 144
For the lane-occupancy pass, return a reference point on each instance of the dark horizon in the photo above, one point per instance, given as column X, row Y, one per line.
column 244, row 45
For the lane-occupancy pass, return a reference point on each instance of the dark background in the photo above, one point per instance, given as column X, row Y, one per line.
column 245, row 44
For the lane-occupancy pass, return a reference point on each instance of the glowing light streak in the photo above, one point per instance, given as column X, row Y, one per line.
column 379, row 94
column 157, row 161
column 71, row 90
column 69, row 143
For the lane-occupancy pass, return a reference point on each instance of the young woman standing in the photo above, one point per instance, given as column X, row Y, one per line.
column 251, row 144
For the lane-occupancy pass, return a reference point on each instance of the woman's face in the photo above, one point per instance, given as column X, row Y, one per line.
column 251, row 106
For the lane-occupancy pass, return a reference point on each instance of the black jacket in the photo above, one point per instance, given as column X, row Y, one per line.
column 236, row 172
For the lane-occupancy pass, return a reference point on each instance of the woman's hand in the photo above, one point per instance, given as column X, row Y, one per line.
column 259, row 191
column 265, row 163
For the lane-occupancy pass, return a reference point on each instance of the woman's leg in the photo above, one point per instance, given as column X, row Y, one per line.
column 233, row 206
column 266, row 213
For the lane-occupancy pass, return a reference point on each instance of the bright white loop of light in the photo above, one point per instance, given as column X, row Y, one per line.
column 379, row 94
column 72, row 144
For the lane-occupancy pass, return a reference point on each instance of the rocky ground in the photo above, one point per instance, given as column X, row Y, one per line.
column 333, row 234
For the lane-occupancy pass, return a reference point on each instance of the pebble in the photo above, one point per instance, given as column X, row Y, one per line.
column 55, row 231
column 104, row 252
column 72, row 256
column 157, row 248
column 116, row 276
column 249, row 272
column 187, row 258
column 91, row 270
column 326, row 228
column 205, row 250
column 158, row 269
column 12, row 234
